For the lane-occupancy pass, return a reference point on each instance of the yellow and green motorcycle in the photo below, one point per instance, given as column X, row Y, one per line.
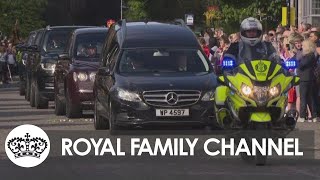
column 253, row 96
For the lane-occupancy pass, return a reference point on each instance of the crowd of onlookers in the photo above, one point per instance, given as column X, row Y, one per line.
column 8, row 65
column 301, row 43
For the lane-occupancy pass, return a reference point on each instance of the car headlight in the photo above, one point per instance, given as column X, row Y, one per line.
column 246, row 90
column 128, row 95
column 92, row 76
column 209, row 96
column 48, row 66
column 82, row 76
column 275, row 91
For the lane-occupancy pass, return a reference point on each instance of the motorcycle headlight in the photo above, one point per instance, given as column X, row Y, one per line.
column 48, row 66
column 128, row 95
column 82, row 76
column 246, row 90
column 275, row 91
column 209, row 96
column 92, row 76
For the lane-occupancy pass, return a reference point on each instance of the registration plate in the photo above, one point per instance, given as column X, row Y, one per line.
column 172, row 112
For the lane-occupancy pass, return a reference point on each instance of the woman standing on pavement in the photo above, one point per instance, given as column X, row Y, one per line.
column 295, row 47
column 306, row 74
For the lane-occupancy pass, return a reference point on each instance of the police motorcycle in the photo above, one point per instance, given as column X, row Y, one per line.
column 253, row 97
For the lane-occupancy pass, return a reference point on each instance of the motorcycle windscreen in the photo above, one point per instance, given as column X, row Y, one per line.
column 260, row 117
column 260, row 70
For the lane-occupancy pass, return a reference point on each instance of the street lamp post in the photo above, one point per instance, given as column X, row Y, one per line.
column 121, row 10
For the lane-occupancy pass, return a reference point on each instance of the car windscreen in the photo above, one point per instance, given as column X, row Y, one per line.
column 163, row 61
column 88, row 47
column 56, row 41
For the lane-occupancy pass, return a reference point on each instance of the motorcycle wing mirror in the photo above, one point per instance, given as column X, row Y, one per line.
column 104, row 71
column 221, row 79
column 296, row 80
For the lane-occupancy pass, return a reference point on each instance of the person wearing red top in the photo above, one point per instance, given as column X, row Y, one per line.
column 204, row 46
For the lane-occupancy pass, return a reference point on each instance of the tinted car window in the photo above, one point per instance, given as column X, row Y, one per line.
column 38, row 38
column 31, row 38
column 88, row 46
column 55, row 41
column 162, row 61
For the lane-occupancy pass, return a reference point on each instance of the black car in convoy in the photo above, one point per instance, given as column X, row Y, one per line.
column 153, row 73
column 75, row 72
column 32, row 53
column 50, row 43
column 23, row 49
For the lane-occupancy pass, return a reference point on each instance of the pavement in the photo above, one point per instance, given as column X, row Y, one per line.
column 14, row 111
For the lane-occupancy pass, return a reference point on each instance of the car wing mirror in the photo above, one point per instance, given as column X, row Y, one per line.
column 104, row 71
column 64, row 57
column 22, row 48
column 63, row 60
column 34, row 48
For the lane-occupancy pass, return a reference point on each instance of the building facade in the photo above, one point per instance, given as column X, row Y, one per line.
column 308, row 11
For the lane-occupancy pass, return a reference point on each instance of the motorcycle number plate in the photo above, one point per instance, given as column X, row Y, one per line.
column 172, row 112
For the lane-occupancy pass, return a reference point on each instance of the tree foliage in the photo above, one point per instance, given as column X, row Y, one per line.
column 231, row 12
column 136, row 10
column 28, row 13
column 234, row 11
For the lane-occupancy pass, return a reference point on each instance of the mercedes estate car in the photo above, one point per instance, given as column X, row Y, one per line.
column 75, row 72
column 153, row 73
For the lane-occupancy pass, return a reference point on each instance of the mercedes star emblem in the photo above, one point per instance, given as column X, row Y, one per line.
column 172, row 98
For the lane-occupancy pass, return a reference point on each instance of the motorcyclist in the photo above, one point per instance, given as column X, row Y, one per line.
column 251, row 47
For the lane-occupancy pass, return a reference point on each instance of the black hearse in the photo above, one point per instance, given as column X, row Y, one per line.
column 153, row 73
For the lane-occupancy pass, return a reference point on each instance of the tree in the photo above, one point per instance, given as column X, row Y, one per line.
column 21, row 16
column 136, row 10
column 234, row 11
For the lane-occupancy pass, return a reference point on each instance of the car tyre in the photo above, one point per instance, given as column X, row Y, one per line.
column 32, row 95
column 60, row 105
column 72, row 110
column 27, row 95
column 100, row 123
column 40, row 102
column 113, row 128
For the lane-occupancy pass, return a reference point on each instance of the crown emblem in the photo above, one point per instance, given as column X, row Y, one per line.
column 23, row 147
column 261, row 67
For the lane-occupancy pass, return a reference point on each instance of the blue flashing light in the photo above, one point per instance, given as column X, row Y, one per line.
column 291, row 64
column 228, row 63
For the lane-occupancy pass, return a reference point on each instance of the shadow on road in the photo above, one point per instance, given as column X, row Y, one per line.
column 46, row 125
column 24, row 113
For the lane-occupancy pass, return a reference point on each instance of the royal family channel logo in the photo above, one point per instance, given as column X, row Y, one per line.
column 27, row 146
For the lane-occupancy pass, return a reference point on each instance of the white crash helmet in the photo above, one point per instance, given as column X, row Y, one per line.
column 251, row 24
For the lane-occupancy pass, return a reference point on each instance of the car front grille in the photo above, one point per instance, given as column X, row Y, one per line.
column 171, row 98
column 87, row 85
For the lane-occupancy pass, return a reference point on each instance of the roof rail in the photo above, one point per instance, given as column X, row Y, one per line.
column 180, row 21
